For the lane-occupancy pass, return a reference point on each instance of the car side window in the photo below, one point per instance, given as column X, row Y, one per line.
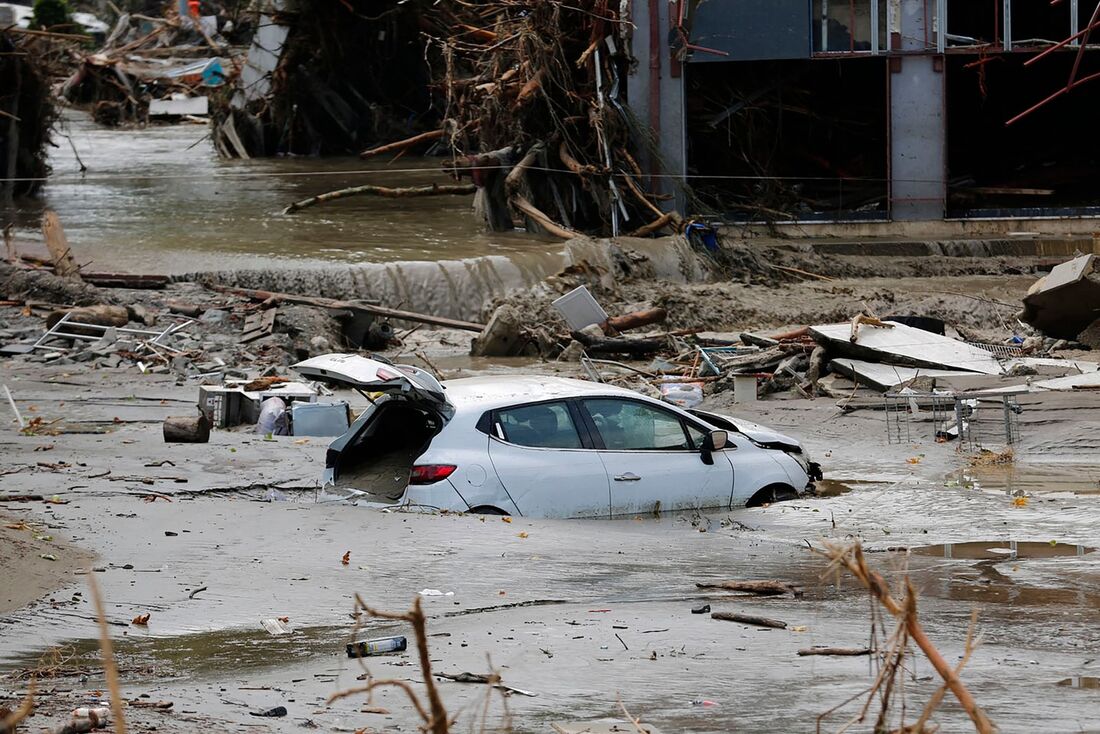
column 697, row 435
column 547, row 426
column 625, row 425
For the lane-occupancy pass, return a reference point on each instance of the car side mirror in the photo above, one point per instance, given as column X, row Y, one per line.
column 713, row 441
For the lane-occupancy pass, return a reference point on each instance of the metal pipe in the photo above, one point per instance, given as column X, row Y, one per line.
column 1062, row 44
column 1081, row 49
column 1007, row 12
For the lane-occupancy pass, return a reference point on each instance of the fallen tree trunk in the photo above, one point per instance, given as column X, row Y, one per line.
column 619, row 345
column 392, row 313
column 836, row 651
column 102, row 315
column 749, row 619
column 402, row 144
column 387, row 192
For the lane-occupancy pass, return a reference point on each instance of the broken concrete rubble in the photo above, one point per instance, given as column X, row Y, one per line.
column 1067, row 301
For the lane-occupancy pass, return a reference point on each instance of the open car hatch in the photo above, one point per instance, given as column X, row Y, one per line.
column 372, row 376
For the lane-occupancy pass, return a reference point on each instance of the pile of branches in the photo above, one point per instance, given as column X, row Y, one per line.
column 27, row 109
column 345, row 75
column 135, row 64
column 535, row 113
column 526, row 98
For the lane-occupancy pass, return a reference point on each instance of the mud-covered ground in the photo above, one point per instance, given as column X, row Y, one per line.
column 583, row 614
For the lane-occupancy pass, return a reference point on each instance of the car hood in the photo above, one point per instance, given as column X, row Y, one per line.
column 762, row 435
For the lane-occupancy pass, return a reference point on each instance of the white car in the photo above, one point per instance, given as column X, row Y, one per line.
column 546, row 447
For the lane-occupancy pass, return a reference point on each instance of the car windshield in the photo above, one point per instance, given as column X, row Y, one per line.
column 626, row 425
column 547, row 425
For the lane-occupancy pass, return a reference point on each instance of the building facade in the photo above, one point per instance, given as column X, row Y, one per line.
column 873, row 110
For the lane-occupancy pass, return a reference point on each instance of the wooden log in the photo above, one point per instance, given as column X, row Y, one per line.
column 63, row 261
column 637, row 319
column 533, row 85
column 800, row 333
column 619, row 345
column 542, row 219
column 836, row 651
column 187, row 429
column 102, row 315
column 127, row 280
column 663, row 221
column 392, row 313
column 402, row 144
column 761, row 588
column 387, row 192
column 749, row 619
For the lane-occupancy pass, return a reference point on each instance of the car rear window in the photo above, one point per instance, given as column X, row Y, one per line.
column 547, row 425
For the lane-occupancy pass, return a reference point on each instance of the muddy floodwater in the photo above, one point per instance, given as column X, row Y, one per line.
column 158, row 199
column 582, row 614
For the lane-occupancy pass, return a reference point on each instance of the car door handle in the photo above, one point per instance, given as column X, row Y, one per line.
column 628, row 477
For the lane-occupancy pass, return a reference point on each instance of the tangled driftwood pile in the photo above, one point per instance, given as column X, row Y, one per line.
column 27, row 109
column 527, row 97
column 535, row 113
column 143, row 58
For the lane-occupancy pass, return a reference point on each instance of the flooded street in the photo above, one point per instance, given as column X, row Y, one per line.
column 581, row 613
column 158, row 199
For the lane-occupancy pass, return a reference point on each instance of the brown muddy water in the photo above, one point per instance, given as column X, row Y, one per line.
column 158, row 199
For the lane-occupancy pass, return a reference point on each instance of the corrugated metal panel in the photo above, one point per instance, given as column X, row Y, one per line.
column 749, row 30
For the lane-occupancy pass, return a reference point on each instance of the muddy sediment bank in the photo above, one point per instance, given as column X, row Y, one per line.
column 735, row 286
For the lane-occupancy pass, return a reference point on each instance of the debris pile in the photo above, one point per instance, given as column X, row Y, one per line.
column 1066, row 304
column 313, row 85
column 150, row 67
column 527, row 97
column 27, row 109
column 535, row 116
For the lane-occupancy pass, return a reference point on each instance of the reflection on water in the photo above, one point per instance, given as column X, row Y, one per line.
column 1002, row 550
column 1020, row 479
column 1080, row 681
column 160, row 200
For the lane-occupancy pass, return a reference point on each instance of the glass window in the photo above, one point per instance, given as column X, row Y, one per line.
column 547, row 426
column 628, row 426
column 697, row 435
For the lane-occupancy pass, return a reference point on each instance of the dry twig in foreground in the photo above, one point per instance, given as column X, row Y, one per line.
column 850, row 557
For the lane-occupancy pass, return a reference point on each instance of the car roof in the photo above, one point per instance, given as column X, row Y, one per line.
column 471, row 393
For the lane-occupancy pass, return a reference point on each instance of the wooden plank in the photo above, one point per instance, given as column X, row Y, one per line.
column 58, row 244
column 258, row 325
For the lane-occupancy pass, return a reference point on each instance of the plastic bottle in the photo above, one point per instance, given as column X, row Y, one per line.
column 379, row 646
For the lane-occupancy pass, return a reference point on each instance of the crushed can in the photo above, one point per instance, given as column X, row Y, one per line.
column 379, row 646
